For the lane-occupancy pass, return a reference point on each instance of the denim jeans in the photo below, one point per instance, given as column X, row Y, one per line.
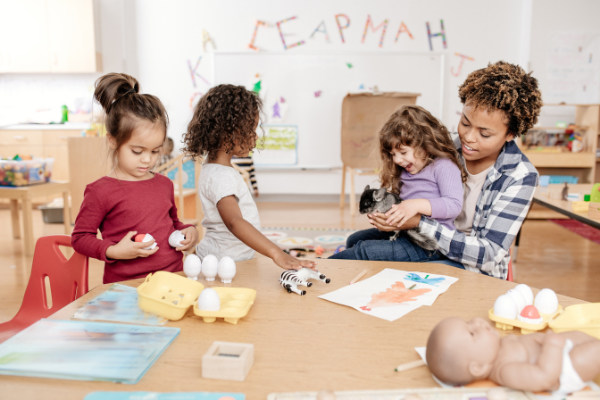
column 373, row 245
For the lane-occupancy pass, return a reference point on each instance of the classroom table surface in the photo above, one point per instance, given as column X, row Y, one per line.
column 301, row 343
column 565, row 207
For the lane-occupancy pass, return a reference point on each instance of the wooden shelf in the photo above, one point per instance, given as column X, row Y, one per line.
column 554, row 128
column 561, row 160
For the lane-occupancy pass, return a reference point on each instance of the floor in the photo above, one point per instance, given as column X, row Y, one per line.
column 549, row 255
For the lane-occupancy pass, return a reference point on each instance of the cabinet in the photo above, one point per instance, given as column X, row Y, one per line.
column 582, row 164
column 48, row 36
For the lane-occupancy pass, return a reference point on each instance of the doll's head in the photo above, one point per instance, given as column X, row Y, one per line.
column 459, row 351
column 136, row 124
column 225, row 118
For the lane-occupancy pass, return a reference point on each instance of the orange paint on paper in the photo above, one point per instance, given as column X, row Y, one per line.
column 395, row 295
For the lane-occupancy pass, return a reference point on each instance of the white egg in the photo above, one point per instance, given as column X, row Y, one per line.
column 526, row 292
column 210, row 266
column 546, row 301
column 518, row 298
column 209, row 300
column 192, row 266
column 505, row 307
column 226, row 269
column 175, row 239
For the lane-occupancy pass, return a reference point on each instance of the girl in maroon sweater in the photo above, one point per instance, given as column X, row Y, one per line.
column 131, row 199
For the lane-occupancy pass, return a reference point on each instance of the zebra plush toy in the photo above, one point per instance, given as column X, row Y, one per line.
column 290, row 279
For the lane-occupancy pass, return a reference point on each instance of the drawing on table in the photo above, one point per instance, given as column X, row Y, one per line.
column 411, row 276
column 394, row 296
column 391, row 294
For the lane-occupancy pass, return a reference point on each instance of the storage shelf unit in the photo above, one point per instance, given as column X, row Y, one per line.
column 583, row 164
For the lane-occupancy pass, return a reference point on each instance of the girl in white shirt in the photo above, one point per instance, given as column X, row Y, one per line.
column 224, row 125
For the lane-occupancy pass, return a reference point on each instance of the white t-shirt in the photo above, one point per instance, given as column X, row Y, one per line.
column 217, row 181
column 472, row 190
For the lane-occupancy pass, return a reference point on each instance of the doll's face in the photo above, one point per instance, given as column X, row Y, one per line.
column 471, row 345
column 481, row 341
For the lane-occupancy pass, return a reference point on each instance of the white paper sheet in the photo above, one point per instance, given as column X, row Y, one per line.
column 392, row 293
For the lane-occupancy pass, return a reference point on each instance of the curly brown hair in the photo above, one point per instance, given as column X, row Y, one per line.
column 506, row 87
column 414, row 127
column 224, row 117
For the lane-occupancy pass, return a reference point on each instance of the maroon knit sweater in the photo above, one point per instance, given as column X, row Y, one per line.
column 117, row 207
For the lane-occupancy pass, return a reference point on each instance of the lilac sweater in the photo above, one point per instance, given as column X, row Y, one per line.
column 440, row 183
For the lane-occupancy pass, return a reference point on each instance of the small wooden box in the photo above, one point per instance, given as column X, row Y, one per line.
column 230, row 361
column 594, row 211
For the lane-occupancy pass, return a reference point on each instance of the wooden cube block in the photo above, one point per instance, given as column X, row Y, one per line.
column 230, row 361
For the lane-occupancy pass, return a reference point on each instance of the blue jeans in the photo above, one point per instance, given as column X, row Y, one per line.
column 373, row 245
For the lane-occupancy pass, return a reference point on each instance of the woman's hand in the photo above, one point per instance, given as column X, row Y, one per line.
column 127, row 249
column 191, row 236
column 286, row 261
column 400, row 213
column 378, row 221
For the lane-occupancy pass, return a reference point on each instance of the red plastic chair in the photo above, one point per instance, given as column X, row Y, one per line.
column 68, row 281
column 509, row 275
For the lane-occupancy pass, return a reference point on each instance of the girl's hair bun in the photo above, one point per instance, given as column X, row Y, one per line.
column 112, row 87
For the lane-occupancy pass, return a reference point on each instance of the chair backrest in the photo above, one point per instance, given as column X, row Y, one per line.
column 68, row 278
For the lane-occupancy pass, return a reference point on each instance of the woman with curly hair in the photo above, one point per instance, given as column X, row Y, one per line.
column 223, row 126
column 500, row 103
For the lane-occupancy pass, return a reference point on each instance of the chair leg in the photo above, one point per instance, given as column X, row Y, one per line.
column 28, row 227
column 352, row 194
column 14, row 218
column 343, row 194
column 66, row 213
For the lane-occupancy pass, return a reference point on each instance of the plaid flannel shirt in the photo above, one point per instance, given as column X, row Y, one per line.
column 501, row 208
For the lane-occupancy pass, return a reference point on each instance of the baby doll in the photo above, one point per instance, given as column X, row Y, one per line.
column 459, row 352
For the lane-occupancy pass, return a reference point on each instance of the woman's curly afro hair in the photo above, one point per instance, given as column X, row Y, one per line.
column 224, row 117
column 506, row 87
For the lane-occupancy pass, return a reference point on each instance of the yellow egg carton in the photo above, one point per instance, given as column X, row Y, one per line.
column 168, row 295
column 235, row 303
column 507, row 324
column 580, row 317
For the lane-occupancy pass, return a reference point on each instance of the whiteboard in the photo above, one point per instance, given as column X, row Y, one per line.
column 310, row 87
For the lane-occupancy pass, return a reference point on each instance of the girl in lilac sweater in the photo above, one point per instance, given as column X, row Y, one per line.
column 420, row 164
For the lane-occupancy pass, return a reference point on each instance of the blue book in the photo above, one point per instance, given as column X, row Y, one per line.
column 164, row 396
column 83, row 350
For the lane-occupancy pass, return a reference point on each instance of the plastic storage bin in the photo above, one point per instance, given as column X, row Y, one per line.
column 25, row 172
column 580, row 317
column 168, row 295
column 52, row 215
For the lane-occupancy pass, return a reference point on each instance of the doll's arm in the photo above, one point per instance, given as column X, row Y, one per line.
column 232, row 217
column 543, row 375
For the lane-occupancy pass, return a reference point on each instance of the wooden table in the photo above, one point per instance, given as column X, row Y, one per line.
column 541, row 196
column 300, row 343
column 25, row 194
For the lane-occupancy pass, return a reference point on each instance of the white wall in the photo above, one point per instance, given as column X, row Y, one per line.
column 153, row 39
column 169, row 34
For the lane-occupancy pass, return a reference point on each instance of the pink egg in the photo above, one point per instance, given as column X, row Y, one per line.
column 530, row 315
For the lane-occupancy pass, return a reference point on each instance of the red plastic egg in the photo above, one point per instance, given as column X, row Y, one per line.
column 530, row 312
